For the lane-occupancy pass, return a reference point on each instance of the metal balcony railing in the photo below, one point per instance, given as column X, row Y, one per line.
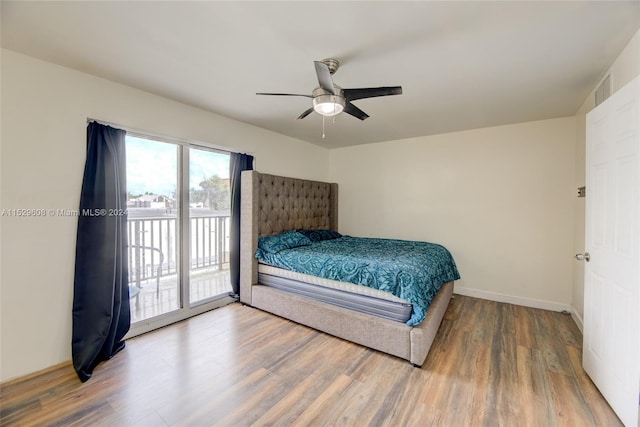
column 153, row 245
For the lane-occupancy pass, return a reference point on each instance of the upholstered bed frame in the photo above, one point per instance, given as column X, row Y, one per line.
column 274, row 204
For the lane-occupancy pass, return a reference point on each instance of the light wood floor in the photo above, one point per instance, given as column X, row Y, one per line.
column 492, row 364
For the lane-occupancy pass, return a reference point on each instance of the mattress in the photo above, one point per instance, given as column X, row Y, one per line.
column 411, row 270
column 347, row 295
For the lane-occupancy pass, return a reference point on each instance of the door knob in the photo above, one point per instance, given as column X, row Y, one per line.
column 583, row 257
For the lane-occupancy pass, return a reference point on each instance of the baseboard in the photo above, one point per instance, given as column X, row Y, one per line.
column 26, row 377
column 578, row 319
column 510, row 299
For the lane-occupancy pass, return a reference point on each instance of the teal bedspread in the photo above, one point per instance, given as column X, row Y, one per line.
column 414, row 271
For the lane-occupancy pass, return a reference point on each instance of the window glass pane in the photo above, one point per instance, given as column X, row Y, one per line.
column 209, row 203
column 152, row 203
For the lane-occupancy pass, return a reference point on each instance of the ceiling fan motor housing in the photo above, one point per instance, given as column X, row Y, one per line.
column 332, row 64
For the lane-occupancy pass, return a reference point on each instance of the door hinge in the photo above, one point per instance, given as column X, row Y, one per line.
column 582, row 191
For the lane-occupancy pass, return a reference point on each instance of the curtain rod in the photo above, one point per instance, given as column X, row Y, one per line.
column 163, row 138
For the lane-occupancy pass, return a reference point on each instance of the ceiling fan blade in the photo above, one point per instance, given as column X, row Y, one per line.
column 371, row 92
column 284, row 94
column 324, row 77
column 306, row 113
column 349, row 108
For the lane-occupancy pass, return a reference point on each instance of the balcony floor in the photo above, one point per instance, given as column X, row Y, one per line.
column 205, row 283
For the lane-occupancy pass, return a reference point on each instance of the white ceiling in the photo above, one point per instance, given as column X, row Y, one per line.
column 462, row 65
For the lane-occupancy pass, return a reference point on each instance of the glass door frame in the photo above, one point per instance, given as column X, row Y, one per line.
column 185, row 309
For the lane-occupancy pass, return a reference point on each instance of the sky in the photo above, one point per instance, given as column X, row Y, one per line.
column 153, row 166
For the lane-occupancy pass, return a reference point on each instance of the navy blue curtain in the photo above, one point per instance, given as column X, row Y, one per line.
column 239, row 162
column 101, row 316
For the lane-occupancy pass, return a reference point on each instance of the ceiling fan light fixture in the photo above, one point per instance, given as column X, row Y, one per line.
column 328, row 105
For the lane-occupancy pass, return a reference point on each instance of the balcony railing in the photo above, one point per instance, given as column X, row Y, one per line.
column 153, row 247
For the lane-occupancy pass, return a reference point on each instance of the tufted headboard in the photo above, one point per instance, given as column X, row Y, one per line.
column 273, row 204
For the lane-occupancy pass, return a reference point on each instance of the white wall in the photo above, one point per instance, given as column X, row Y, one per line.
column 500, row 199
column 44, row 112
column 624, row 69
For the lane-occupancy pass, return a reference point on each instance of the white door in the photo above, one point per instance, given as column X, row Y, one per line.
column 611, row 349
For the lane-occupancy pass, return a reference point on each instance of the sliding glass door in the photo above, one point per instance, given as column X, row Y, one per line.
column 178, row 225
column 209, row 203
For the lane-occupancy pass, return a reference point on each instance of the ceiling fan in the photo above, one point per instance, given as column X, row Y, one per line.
column 330, row 99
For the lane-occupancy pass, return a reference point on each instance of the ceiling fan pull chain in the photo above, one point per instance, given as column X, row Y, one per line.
column 322, row 127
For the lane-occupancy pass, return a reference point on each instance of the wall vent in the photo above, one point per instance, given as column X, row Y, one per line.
column 604, row 90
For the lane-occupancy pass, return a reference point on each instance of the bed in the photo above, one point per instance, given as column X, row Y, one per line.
column 272, row 205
